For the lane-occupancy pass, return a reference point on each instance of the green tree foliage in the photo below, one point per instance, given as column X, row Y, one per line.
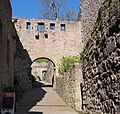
column 66, row 62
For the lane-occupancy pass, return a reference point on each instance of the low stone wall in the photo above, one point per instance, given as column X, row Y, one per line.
column 101, row 63
column 68, row 87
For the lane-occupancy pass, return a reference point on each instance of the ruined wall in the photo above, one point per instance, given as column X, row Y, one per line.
column 7, row 45
column 68, row 87
column 101, row 62
column 48, row 38
column 52, row 42
column 23, row 78
column 88, row 15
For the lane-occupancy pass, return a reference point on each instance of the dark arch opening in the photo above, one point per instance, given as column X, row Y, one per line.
column 43, row 71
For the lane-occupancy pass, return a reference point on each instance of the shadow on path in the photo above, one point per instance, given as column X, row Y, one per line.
column 41, row 84
column 30, row 99
column 42, row 99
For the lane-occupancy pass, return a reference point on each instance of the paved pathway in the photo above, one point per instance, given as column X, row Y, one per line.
column 42, row 100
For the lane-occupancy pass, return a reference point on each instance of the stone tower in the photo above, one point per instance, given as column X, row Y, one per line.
column 88, row 15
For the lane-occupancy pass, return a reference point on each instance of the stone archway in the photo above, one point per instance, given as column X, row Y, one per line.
column 45, row 58
column 43, row 69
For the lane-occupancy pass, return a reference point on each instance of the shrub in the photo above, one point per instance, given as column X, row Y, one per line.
column 66, row 62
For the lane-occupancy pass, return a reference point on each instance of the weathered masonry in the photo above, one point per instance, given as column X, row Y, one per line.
column 53, row 39
column 88, row 15
column 7, row 46
column 50, row 39
column 101, row 62
column 47, row 38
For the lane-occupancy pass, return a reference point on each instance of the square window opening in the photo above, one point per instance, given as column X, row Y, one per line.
column 41, row 27
column 52, row 26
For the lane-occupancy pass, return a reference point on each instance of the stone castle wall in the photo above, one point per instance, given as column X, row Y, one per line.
column 101, row 56
column 22, row 66
column 101, row 62
column 68, row 87
column 88, row 15
column 53, row 40
column 38, row 69
column 52, row 44
column 7, row 46
column 50, row 73
column 11, row 52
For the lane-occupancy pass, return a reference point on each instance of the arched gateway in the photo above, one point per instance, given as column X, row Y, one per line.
column 43, row 68
column 52, row 39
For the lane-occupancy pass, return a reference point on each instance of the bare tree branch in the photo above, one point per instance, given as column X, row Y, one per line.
column 52, row 8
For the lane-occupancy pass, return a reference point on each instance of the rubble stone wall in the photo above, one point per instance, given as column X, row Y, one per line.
column 23, row 77
column 7, row 46
column 88, row 15
column 68, row 87
column 101, row 62
column 50, row 73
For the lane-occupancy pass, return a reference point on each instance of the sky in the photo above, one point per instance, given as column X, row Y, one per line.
column 31, row 8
